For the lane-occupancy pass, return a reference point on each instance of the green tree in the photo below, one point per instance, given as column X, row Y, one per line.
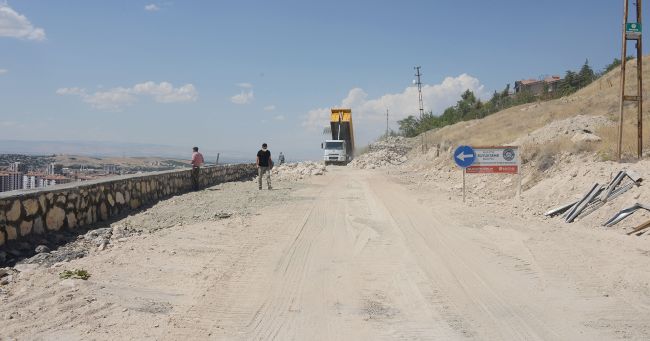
column 611, row 66
column 586, row 75
column 408, row 127
column 569, row 84
column 615, row 64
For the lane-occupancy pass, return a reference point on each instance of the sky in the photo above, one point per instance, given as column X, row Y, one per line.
column 229, row 75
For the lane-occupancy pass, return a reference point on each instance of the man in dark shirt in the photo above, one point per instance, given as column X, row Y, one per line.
column 264, row 164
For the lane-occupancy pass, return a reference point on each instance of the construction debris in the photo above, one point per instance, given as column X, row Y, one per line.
column 297, row 171
column 624, row 214
column 640, row 229
column 390, row 151
column 582, row 204
column 597, row 196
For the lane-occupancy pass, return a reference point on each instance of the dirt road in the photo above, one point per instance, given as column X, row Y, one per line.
column 354, row 255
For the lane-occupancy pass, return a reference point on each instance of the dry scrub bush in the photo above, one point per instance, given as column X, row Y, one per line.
column 543, row 156
column 607, row 148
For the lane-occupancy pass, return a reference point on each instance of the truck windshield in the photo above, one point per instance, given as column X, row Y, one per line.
column 333, row 145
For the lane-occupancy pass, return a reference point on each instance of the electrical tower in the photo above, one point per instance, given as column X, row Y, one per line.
column 419, row 84
column 632, row 32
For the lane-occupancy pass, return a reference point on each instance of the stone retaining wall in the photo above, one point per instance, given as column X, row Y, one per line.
column 34, row 213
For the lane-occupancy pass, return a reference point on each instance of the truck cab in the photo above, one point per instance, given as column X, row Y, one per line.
column 335, row 151
column 340, row 149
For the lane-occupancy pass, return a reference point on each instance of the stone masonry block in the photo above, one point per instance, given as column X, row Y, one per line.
column 26, row 228
column 72, row 220
column 103, row 211
column 14, row 212
column 31, row 206
column 11, row 233
column 54, row 218
column 38, row 226
column 42, row 200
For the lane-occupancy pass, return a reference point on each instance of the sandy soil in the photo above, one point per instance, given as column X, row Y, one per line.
column 350, row 255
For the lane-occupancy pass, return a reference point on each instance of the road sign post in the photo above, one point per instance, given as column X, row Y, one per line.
column 464, row 156
column 463, row 184
column 489, row 160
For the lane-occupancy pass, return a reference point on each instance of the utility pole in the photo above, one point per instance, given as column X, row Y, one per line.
column 419, row 84
column 632, row 31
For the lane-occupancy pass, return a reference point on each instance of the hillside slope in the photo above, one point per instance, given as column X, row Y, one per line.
column 601, row 98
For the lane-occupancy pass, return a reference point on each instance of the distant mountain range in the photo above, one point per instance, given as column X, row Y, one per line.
column 114, row 149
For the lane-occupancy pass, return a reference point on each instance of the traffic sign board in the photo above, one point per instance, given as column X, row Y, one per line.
column 464, row 156
column 633, row 27
column 502, row 159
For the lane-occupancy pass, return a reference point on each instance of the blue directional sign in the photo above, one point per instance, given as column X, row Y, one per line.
column 464, row 156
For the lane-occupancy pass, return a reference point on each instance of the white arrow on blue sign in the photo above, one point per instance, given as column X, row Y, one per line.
column 464, row 156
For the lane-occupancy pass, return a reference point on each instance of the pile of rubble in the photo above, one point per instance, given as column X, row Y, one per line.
column 578, row 128
column 297, row 171
column 386, row 152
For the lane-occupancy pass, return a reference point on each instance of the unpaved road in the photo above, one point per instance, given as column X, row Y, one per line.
column 354, row 255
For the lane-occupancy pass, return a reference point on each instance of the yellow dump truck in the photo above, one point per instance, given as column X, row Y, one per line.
column 340, row 149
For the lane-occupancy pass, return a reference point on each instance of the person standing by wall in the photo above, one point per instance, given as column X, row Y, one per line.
column 197, row 162
column 264, row 164
column 281, row 158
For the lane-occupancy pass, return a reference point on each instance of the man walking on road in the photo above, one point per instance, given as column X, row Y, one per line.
column 264, row 165
column 197, row 162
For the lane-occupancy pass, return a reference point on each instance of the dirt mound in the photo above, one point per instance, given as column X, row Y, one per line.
column 390, row 151
column 578, row 128
column 297, row 171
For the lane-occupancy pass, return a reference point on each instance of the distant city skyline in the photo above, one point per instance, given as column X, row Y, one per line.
column 228, row 76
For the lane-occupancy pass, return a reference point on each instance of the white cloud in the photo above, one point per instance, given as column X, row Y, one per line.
column 279, row 118
column 245, row 96
column 71, row 91
column 269, row 107
column 152, row 8
column 3, row 71
column 16, row 25
column 112, row 100
column 436, row 98
column 116, row 99
column 316, row 118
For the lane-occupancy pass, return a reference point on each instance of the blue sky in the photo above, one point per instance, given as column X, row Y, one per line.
column 229, row 75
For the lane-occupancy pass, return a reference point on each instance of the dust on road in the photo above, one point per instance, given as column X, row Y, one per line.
column 351, row 255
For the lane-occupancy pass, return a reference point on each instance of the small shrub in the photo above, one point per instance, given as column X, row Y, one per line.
column 76, row 274
column 545, row 162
